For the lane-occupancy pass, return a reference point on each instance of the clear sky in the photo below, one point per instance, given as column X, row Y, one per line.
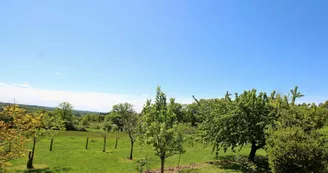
column 100, row 52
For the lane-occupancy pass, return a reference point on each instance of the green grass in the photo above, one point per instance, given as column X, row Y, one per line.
column 69, row 155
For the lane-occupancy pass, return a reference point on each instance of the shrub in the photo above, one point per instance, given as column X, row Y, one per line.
column 292, row 149
column 143, row 165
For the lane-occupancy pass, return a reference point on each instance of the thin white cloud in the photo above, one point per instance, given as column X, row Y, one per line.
column 4, row 85
column 92, row 101
column 22, row 85
column 60, row 74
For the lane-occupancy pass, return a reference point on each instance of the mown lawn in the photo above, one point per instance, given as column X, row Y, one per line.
column 69, row 155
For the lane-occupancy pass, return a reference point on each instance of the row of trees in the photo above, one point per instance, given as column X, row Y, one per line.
column 292, row 134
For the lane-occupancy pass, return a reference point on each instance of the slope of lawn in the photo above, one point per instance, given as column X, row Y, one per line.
column 69, row 155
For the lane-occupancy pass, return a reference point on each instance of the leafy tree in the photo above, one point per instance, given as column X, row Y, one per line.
column 230, row 123
column 160, row 128
column 53, row 124
column 130, row 121
column 180, row 112
column 212, row 128
column 115, row 118
column 105, row 130
column 14, row 124
column 36, row 133
column 65, row 110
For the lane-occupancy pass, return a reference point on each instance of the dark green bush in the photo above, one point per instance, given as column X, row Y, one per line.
column 292, row 149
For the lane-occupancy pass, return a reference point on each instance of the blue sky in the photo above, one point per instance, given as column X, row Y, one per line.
column 200, row 48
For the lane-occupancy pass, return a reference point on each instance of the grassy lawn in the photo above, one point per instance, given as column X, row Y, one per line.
column 69, row 155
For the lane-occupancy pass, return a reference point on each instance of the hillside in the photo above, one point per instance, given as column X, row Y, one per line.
column 32, row 108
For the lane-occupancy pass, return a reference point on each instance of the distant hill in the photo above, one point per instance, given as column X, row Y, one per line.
column 32, row 108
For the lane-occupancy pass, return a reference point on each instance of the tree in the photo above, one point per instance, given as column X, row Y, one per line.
column 180, row 112
column 115, row 118
column 105, row 130
column 118, row 112
column 212, row 127
column 38, row 132
column 14, row 124
column 65, row 111
column 130, row 121
column 53, row 124
column 160, row 128
column 230, row 123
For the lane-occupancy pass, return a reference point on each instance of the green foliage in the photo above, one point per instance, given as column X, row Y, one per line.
column 291, row 149
column 143, row 164
column 52, row 123
column 65, row 111
column 296, row 141
column 85, row 120
column 216, row 114
column 160, row 128
column 130, row 121
column 107, row 128
column 230, row 123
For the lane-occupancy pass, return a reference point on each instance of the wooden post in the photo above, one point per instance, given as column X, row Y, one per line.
column 104, row 149
column 87, row 143
column 116, row 142
column 51, row 143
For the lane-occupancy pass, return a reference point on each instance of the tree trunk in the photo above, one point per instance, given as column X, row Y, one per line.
column 116, row 142
column 131, row 151
column 162, row 164
column 179, row 162
column 217, row 151
column 31, row 156
column 51, row 143
column 104, row 149
column 253, row 151
column 87, row 143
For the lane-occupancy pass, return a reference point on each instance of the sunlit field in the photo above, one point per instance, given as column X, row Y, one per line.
column 69, row 155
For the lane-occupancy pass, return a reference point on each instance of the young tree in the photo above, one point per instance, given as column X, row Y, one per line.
column 160, row 129
column 14, row 123
column 53, row 124
column 131, row 127
column 38, row 132
column 105, row 130
column 129, row 120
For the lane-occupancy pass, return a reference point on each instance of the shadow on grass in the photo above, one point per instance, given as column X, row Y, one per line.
column 46, row 170
column 230, row 163
column 190, row 171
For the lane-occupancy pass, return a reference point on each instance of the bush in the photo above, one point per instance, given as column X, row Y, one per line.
column 143, row 164
column 292, row 149
column 80, row 128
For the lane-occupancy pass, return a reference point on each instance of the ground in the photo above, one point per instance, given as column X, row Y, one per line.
column 69, row 155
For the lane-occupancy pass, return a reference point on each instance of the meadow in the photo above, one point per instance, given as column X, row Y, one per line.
column 69, row 155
